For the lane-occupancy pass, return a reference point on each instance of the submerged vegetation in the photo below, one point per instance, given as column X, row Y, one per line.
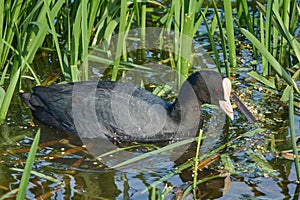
column 70, row 30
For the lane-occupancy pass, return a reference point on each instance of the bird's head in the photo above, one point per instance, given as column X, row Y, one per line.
column 211, row 88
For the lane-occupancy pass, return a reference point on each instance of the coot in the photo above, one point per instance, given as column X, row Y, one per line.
column 127, row 112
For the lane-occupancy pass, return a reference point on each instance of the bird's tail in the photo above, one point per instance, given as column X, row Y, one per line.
column 25, row 97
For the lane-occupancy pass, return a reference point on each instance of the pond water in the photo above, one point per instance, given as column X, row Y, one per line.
column 259, row 170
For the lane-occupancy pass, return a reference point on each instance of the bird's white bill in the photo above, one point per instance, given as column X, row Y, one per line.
column 227, row 108
column 225, row 105
column 227, row 88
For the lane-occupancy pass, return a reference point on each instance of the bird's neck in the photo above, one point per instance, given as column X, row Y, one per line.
column 186, row 107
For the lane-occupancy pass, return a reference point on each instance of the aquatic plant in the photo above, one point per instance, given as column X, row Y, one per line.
column 71, row 29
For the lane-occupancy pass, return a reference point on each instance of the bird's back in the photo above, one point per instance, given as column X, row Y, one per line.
column 110, row 108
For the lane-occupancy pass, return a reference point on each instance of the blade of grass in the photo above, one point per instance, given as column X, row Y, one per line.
column 93, row 11
column 212, row 43
column 9, row 33
column 292, row 132
column 177, row 26
column 278, row 23
column 185, row 61
column 84, row 38
column 223, row 42
column 2, row 15
column 262, row 39
column 262, row 79
column 143, row 23
column 285, row 18
column 247, row 17
column 2, row 95
column 116, row 151
column 268, row 34
column 275, row 34
column 213, row 25
column 262, row 163
column 105, row 28
column 55, row 38
column 153, row 193
column 137, row 12
column 199, row 21
column 3, row 75
column 286, row 92
column 28, row 167
column 227, row 162
column 9, row 194
column 27, row 66
column 163, row 149
column 43, row 176
column 108, row 62
column 286, row 34
column 189, row 188
column 121, row 39
column 230, row 35
column 75, row 41
column 37, row 37
column 8, row 96
column 195, row 178
column 294, row 16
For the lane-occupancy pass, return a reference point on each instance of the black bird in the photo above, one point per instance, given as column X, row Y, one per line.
column 127, row 112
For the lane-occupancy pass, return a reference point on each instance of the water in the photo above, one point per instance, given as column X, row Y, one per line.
column 259, row 171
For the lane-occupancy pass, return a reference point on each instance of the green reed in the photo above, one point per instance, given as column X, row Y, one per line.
column 28, row 167
column 121, row 44
column 83, row 25
column 230, row 35
column 280, row 20
column 6, row 96
column 210, row 34
column 9, row 21
column 244, row 16
column 222, row 37
column 267, row 38
column 54, row 34
column 184, row 18
column 293, row 133
column 23, row 32
column 195, row 178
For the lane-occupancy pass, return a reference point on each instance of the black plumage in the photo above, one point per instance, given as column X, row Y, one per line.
column 127, row 112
